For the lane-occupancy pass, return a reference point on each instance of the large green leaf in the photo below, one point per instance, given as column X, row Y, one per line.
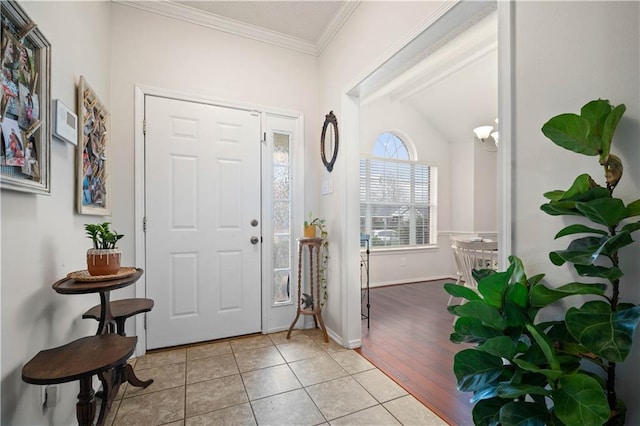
column 631, row 227
column 513, row 391
column 580, row 400
column 609, row 129
column 487, row 392
column 554, row 195
column 605, row 333
column 474, row 369
column 466, row 326
column 578, row 257
column 492, row 288
column 520, row 413
column 528, row 366
column 545, row 345
column 560, row 208
column 605, row 211
column 596, row 113
column 610, row 273
column 571, row 132
column 633, row 208
column 500, row 346
column 580, row 185
column 541, row 295
column 579, row 229
column 457, row 290
column 482, row 311
column 615, row 243
column 517, row 294
column 487, row 412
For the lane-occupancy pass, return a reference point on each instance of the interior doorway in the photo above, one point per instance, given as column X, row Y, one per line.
column 457, row 18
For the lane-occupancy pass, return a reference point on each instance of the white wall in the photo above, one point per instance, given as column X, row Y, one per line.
column 568, row 53
column 485, row 188
column 369, row 35
column 394, row 266
column 42, row 236
column 200, row 61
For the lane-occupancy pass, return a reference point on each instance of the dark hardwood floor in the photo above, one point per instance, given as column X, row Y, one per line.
column 408, row 339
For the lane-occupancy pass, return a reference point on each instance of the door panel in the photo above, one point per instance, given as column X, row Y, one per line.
column 202, row 185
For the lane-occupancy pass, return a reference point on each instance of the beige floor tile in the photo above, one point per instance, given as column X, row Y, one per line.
column 157, row 408
column 379, row 385
column 258, row 358
column 200, row 370
column 166, row 377
column 159, row 359
column 376, row 415
column 203, row 397
column 178, row 423
column 111, row 416
column 211, row 349
column 352, row 361
column 252, row 342
column 281, row 337
column 409, row 411
column 296, row 351
column 290, row 408
column 239, row 415
column 269, row 381
column 315, row 370
column 340, row 397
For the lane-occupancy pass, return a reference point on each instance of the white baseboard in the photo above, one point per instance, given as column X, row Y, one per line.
column 412, row 280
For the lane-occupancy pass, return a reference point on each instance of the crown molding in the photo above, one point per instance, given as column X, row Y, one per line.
column 336, row 23
column 209, row 20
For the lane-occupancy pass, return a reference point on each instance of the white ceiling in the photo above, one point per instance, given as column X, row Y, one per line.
column 455, row 87
column 306, row 20
column 303, row 26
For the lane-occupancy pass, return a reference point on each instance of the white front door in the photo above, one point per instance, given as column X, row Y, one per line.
column 203, row 230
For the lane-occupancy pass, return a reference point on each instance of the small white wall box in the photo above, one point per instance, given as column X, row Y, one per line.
column 66, row 123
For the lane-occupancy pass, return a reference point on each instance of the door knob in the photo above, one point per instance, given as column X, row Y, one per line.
column 254, row 222
column 254, row 240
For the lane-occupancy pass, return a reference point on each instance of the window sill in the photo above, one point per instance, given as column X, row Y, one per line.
column 406, row 249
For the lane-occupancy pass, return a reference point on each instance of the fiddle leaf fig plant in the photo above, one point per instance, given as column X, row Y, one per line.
column 522, row 371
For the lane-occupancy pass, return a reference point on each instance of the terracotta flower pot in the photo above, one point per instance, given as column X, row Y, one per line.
column 310, row 231
column 103, row 261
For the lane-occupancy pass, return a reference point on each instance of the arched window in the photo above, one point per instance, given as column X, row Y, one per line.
column 397, row 196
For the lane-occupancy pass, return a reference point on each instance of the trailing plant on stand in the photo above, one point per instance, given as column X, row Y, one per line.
column 319, row 224
column 523, row 371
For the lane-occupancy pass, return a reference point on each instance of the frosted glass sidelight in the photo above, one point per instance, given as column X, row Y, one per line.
column 281, row 183
column 281, row 216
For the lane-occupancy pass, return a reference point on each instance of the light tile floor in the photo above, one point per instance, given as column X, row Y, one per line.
column 265, row 380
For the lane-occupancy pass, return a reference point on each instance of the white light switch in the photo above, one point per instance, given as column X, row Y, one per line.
column 327, row 187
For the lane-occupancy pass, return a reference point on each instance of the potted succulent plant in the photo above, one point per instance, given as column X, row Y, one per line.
column 104, row 257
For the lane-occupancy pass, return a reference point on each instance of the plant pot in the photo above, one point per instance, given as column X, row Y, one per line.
column 310, row 231
column 103, row 261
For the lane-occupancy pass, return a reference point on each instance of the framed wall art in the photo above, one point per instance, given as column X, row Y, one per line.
column 25, row 98
column 94, row 188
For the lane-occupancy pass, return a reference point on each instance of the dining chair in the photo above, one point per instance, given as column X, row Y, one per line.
column 476, row 255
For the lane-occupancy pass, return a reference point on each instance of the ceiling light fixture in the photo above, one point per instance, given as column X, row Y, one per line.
column 483, row 133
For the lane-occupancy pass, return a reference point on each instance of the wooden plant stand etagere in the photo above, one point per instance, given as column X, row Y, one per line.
column 314, row 246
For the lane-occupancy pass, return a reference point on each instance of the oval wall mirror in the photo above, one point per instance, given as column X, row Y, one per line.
column 329, row 142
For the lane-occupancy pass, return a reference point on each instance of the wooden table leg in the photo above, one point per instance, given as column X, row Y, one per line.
column 129, row 376
column 86, row 405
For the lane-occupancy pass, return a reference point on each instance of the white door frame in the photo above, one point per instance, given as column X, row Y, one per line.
column 140, row 91
column 374, row 78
